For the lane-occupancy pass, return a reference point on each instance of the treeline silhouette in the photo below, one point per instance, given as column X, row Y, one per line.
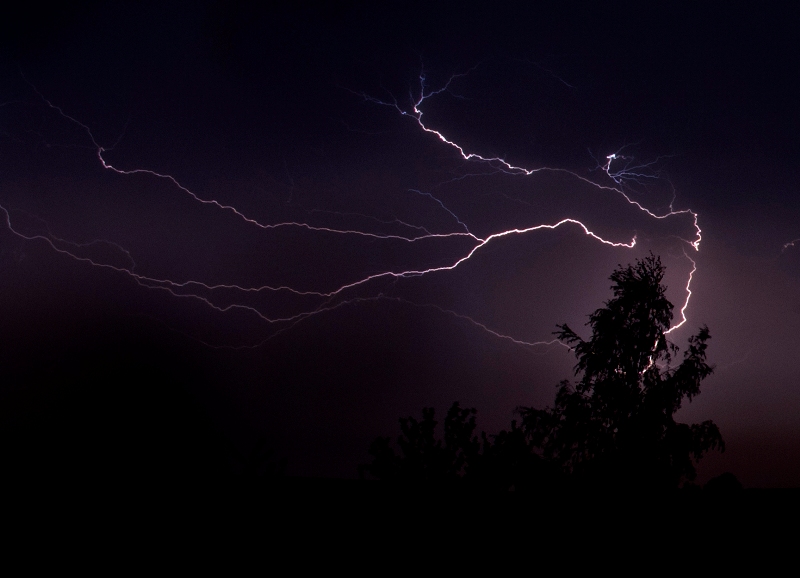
column 116, row 402
column 612, row 428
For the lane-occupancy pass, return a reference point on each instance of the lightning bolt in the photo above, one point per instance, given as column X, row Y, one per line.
column 789, row 245
column 688, row 290
column 327, row 299
column 630, row 171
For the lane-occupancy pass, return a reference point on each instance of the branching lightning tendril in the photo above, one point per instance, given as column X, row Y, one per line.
column 620, row 168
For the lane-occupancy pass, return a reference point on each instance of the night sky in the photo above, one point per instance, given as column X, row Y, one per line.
column 253, row 261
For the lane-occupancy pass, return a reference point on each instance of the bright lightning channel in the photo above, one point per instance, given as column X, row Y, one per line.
column 630, row 172
column 789, row 245
column 198, row 290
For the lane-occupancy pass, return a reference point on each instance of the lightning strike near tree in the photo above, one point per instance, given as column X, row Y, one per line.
column 317, row 298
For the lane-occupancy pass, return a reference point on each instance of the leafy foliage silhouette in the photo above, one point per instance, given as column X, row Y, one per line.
column 616, row 424
column 501, row 461
column 614, row 427
column 423, row 458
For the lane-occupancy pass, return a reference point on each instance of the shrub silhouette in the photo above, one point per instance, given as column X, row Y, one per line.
column 423, row 458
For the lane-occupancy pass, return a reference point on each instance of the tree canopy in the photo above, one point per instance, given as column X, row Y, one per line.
column 612, row 427
column 616, row 425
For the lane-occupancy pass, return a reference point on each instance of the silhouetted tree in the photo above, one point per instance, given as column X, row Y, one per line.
column 724, row 484
column 498, row 462
column 615, row 425
column 509, row 461
column 423, row 458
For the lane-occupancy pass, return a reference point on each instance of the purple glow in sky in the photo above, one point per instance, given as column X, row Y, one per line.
column 347, row 214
